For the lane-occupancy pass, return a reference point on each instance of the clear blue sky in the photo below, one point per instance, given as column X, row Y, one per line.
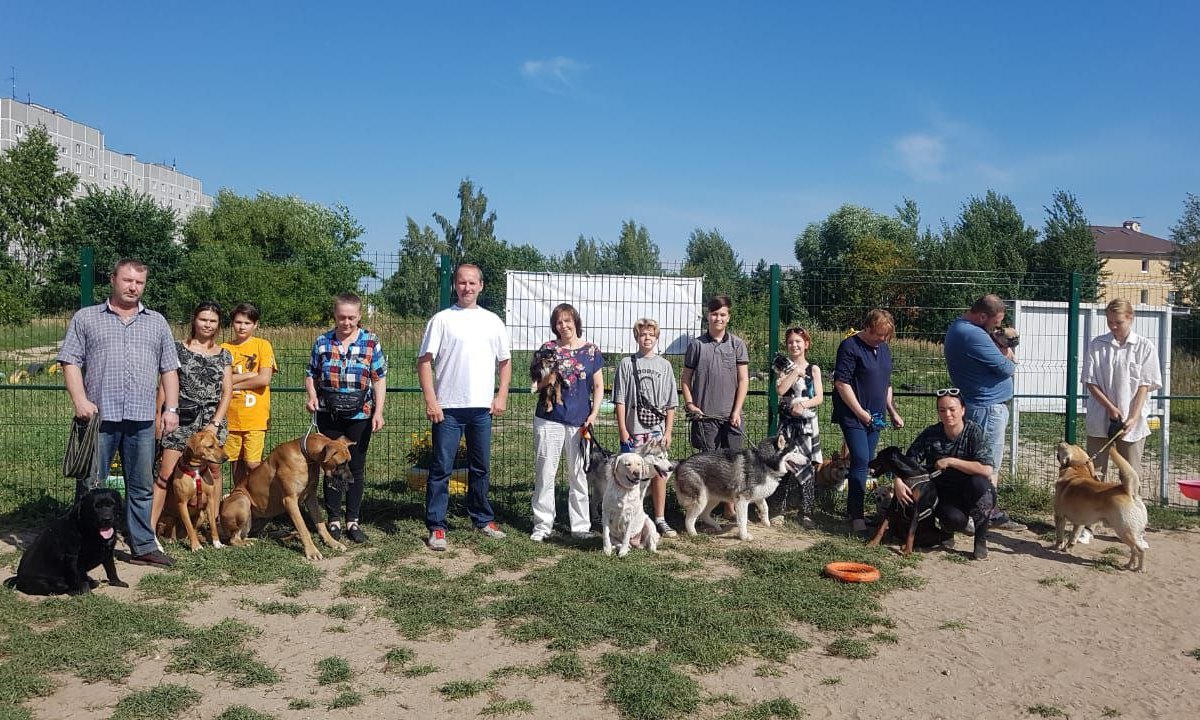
column 755, row 118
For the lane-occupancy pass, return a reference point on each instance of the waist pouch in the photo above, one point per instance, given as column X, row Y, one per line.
column 344, row 404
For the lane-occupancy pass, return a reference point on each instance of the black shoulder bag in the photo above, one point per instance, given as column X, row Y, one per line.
column 647, row 415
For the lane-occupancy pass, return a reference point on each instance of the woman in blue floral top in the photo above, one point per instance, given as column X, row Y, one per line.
column 580, row 365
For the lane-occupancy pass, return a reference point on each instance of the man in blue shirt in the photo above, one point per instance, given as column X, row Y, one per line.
column 983, row 372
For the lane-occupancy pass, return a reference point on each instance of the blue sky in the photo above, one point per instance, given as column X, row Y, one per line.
column 753, row 118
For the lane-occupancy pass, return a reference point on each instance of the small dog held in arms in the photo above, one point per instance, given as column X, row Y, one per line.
column 625, row 521
column 1083, row 500
column 741, row 477
column 1006, row 337
column 59, row 559
column 544, row 377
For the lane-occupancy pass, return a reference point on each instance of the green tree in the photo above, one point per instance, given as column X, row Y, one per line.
column 852, row 262
column 33, row 194
column 634, row 253
column 711, row 256
column 1186, row 236
column 117, row 223
column 413, row 291
column 14, row 304
column 1067, row 246
column 285, row 255
column 476, row 226
column 990, row 235
column 586, row 257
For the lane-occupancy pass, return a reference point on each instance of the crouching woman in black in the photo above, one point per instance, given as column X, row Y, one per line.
column 958, row 448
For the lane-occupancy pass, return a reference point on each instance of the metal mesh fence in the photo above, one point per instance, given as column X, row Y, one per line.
column 35, row 410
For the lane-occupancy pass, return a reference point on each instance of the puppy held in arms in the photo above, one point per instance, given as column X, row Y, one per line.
column 625, row 521
column 545, row 380
column 1006, row 337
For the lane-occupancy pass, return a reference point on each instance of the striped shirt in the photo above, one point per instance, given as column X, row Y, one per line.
column 121, row 360
column 340, row 367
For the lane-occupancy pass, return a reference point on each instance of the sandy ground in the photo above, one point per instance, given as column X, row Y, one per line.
column 1116, row 644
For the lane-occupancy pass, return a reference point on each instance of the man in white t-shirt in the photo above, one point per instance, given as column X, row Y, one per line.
column 463, row 347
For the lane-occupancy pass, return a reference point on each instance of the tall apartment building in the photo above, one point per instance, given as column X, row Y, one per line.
column 81, row 150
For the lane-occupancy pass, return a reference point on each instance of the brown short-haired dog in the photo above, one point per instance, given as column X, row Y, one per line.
column 190, row 490
column 289, row 476
column 1084, row 500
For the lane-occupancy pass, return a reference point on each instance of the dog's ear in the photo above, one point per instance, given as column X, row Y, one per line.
column 780, row 442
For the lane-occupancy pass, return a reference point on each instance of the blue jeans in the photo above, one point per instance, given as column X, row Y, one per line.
column 476, row 424
column 994, row 420
column 135, row 441
column 862, row 448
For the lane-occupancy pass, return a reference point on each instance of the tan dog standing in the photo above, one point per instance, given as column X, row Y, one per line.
column 190, row 490
column 289, row 476
column 1084, row 500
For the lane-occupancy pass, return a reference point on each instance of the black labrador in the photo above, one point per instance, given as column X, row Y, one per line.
column 916, row 519
column 59, row 560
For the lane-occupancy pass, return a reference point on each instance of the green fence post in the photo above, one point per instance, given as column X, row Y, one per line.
column 772, row 348
column 1072, row 360
column 87, row 275
column 444, row 277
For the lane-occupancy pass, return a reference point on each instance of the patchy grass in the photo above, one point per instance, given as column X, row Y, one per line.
column 568, row 666
column 91, row 636
column 781, row 708
column 345, row 699
column 1169, row 518
column 955, row 557
column 342, row 611
column 244, row 712
column 173, row 587
column 1195, row 653
column 768, row 671
column 1110, row 712
column 1026, row 500
column 161, row 702
column 507, row 707
column 220, row 650
column 831, row 681
column 885, row 638
column 299, row 704
column 850, row 647
column 1052, row 580
column 276, row 607
column 333, row 670
column 460, row 689
column 398, row 657
column 405, row 593
column 419, row 670
column 644, row 685
column 263, row 562
column 1046, row 711
column 957, row 625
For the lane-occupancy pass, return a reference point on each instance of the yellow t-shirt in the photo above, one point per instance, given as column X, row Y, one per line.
column 251, row 409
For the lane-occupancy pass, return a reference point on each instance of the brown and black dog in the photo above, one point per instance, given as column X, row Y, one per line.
column 290, row 476
column 907, row 522
column 190, row 490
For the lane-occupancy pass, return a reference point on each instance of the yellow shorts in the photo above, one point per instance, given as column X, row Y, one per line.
column 246, row 445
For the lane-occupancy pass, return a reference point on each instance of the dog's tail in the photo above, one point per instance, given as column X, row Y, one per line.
column 1129, row 477
column 11, row 582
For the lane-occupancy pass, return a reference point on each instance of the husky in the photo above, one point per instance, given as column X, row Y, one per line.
column 738, row 476
column 625, row 521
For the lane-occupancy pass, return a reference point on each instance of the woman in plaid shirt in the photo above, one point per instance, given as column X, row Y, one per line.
column 346, row 386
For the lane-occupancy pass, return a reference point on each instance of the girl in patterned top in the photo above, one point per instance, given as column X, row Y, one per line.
column 205, row 386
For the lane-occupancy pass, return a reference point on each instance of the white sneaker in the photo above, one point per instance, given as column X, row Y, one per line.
column 970, row 528
column 538, row 536
column 1085, row 536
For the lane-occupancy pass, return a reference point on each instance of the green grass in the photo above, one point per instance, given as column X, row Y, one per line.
column 175, row 587
column 1169, row 518
column 342, row 611
column 91, row 636
column 276, row 607
column 1195, row 653
column 850, row 647
column 768, row 671
column 507, row 707
column 333, row 670
column 645, row 685
column 956, row 625
column 345, row 699
column 406, row 593
column 220, row 650
column 162, row 702
column 1053, row 580
column 885, row 638
column 299, row 704
column 419, row 670
column 243, row 712
column 831, row 681
column 461, row 689
column 568, row 666
column 1110, row 712
column 1046, row 711
column 781, row 708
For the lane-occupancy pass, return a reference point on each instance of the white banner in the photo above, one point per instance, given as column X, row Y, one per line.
column 608, row 305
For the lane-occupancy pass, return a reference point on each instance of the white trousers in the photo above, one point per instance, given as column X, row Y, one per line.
column 549, row 439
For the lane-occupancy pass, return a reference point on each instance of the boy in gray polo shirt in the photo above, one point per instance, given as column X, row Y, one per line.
column 714, row 381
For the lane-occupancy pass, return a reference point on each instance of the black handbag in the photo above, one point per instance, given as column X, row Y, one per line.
column 189, row 412
column 344, row 404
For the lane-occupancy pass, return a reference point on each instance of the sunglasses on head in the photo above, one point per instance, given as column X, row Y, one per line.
column 952, row 392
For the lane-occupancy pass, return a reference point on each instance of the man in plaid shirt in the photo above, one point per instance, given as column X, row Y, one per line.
column 113, row 357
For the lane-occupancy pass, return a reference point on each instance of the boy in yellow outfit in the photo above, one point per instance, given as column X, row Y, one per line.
column 250, row 408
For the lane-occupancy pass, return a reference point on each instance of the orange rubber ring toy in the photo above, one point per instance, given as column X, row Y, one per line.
column 852, row 572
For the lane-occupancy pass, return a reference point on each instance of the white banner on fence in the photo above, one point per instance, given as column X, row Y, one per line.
column 608, row 306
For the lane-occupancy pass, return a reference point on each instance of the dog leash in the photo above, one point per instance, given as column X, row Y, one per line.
column 304, row 440
column 1106, row 445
